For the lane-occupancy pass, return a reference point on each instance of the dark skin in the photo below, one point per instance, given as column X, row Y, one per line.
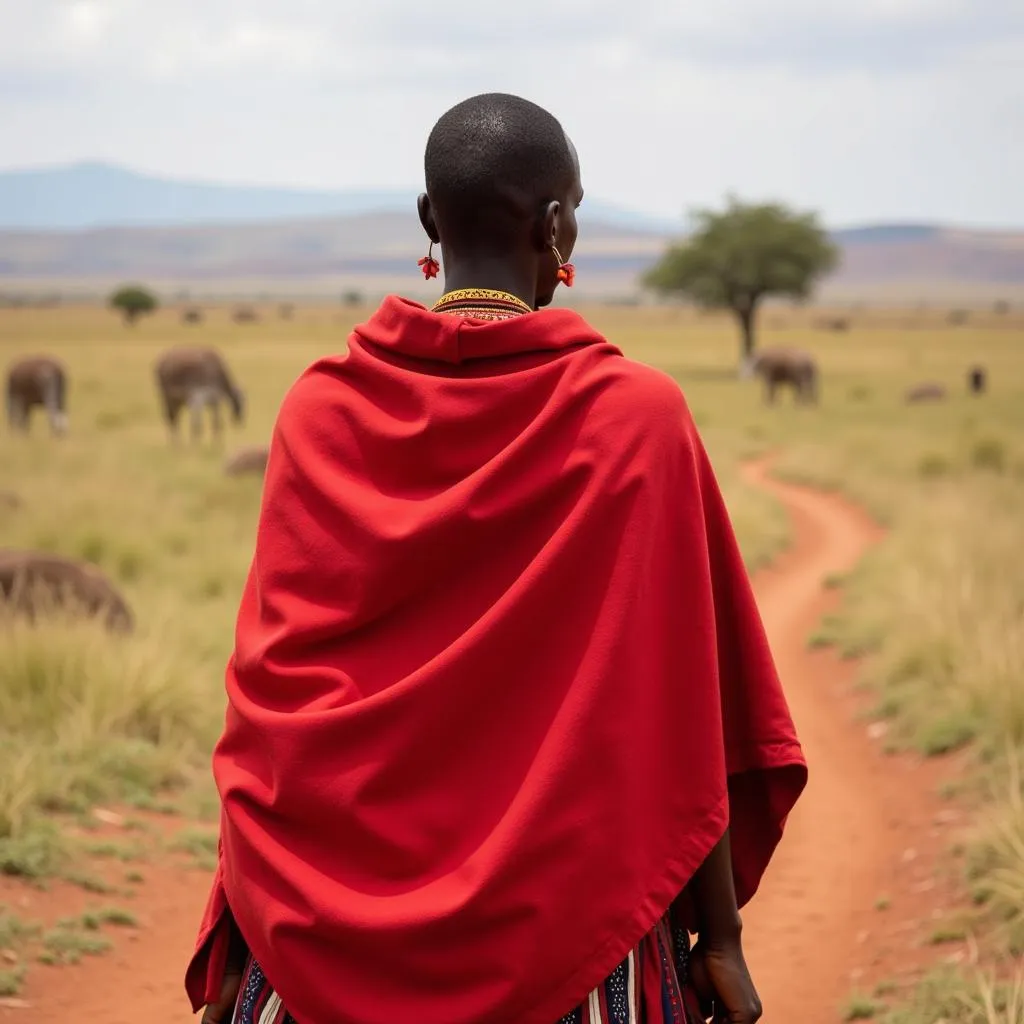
column 528, row 269
column 221, row 1011
column 718, row 968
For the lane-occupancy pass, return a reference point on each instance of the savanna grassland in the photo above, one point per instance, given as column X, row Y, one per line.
column 936, row 610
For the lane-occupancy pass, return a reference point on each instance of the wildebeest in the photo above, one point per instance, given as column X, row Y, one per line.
column 976, row 380
column 927, row 392
column 37, row 380
column 192, row 316
column 9, row 500
column 247, row 460
column 789, row 366
column 245, row 315
column 33, row 583
column 197, row 378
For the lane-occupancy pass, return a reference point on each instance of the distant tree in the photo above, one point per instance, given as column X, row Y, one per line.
column 353, row 298
column 133, row 301
column 739, row 256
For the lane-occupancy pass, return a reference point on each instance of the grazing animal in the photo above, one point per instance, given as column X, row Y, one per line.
column 37, row 380
column 786, row 366
column 192, row 316
column 976, row 380
column 9, row 500
column 245, row 315
column 928, row 392
column 33, row 583
column 247, row 460
column 839, row 324
column 197, row 378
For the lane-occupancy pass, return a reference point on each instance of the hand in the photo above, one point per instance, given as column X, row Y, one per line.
column 720, row 976
column 222, row 1011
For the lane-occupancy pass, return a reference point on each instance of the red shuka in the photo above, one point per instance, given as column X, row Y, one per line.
column 499, row 681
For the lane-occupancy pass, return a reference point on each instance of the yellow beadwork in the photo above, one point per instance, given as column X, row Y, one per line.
column 477, row 294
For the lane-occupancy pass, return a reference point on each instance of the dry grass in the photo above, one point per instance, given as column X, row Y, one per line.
column 939, row 606
column 952, row 997
column 85, row 717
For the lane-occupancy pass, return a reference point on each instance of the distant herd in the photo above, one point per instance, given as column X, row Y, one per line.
column 191, row 378
column 196, row 379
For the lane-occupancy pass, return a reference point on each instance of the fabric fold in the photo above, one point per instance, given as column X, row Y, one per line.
column 499, row 680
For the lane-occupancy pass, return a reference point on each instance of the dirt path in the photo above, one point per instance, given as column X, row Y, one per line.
column 816, row 931
column 813, row 932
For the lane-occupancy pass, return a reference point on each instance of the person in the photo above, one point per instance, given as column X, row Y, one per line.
column 503, row 726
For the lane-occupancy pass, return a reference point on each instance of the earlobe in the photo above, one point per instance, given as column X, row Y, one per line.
column 426, row 212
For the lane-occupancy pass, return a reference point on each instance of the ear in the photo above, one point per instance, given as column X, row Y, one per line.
column 426, row 212
column 548, row 225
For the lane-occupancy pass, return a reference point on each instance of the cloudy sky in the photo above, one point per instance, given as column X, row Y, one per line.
column 867, row 110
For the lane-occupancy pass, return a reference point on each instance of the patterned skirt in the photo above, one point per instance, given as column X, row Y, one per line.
column 649, row 987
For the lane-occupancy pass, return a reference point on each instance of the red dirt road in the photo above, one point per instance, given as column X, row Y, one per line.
column 813, row 933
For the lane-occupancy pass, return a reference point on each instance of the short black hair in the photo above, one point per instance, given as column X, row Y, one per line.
column 494, row 158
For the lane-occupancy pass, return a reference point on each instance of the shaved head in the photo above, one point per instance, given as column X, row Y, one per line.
column 503, row 184
column 492, row 161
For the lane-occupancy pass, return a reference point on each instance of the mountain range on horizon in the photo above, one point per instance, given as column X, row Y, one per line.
column 94, row 194
column 89, row 225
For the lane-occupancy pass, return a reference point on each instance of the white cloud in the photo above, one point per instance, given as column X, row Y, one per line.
column 878, row 109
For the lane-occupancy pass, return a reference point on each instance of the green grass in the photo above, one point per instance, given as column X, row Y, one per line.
column 194, row 841
column 110, row 850
column 15, row 936
column 13, row 931
column 76, row 937
column 860, row 1008
column 34, row 853
column 11, row 980
column 88, row 882
column 996, row 857
column 957, row 997
column 947, row 933
column 93, row 920
column 67, row 945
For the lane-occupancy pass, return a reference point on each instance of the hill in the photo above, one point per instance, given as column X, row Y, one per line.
column 91, row 195
column 84, row 228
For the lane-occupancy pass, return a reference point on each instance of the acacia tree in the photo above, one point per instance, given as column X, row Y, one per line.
column 737, row 257
column 132, row 301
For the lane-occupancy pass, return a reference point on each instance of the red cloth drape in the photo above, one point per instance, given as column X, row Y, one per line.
column 499, row 681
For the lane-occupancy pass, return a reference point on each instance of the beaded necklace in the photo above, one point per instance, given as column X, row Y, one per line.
column 481, row 304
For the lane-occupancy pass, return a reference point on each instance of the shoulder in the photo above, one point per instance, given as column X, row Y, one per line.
column 314, row 385
column 640, row 402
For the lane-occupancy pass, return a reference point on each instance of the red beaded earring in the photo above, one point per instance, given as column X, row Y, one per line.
column 566, row 271
column 430, row 266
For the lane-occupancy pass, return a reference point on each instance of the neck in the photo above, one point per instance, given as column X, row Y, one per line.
column 494, row 273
